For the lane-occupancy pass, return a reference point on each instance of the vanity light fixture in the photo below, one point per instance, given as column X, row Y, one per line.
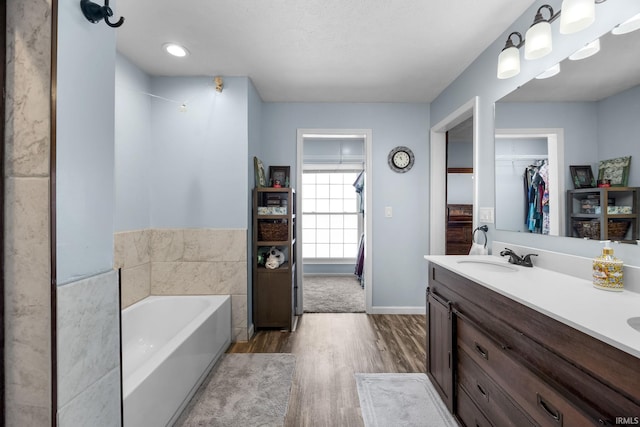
column 509, row 59
column 627, row 26
column 576, row 15
column 550, row 72
column 538, row 36
column 175, row 50
column 586, row 51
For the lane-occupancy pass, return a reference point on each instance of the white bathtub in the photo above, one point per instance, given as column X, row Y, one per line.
column 169, row 344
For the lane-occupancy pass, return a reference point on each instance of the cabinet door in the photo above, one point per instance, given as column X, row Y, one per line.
column 273, row 299
column 439, row 330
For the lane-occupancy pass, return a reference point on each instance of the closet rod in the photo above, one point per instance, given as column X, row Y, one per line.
column 522, row 157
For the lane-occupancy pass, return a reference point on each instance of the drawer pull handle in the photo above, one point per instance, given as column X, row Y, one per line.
column 549, row 409
column 481, row 351
column 481, row 390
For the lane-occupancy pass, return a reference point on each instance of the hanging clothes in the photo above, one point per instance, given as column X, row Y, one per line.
column 359, row 186
column 537, row 198
column 543, row 172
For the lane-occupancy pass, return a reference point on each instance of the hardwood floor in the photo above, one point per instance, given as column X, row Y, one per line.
column 330, row 348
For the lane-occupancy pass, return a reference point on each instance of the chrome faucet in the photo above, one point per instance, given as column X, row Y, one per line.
column 514, row 258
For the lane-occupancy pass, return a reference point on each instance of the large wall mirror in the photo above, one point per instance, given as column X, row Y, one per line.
column 587, row 113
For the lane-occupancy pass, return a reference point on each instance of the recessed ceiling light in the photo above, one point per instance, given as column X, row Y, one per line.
column 175, row 49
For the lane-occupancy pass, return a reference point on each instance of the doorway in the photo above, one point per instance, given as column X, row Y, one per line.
column 334, row 159
column 438, row 167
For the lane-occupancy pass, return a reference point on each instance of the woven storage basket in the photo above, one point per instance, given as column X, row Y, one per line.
column 591, row 229
column 272, row 231
column 617, row 229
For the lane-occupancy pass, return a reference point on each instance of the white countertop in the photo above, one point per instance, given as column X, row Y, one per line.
column 570, row 300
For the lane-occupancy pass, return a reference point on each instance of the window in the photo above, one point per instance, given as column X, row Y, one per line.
column 330, row 221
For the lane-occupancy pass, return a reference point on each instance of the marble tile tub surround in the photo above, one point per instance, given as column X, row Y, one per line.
column 88, row 334
column 180, row 261
column 132, row 255
column 572, row 265
column 27, row 252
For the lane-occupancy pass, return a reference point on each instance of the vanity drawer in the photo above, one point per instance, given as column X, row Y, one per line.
column 543, row 403
column 468, row 413
column 487, row 395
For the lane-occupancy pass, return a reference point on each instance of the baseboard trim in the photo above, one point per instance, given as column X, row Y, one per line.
column 250, row 332
column 397, row 310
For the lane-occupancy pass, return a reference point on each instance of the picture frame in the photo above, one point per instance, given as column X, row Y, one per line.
column 260, row 178
column 615, row 170
column 279, row 174
column 582, row 176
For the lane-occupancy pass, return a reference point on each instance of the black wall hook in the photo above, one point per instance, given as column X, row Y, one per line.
column 95, row 13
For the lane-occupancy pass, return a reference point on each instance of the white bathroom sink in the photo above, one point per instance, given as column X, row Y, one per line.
column 488, row 265
column 634, row 322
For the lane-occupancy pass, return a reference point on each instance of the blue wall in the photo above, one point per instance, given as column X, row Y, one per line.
column 399, row 243
column 578, row 119
column 199, row 157
column 84, row 145
column 254, row 149
column 133, row 148
column 479, row 79
column 618, row 130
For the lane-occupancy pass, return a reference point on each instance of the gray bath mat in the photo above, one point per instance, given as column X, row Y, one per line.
column 407, row 400
column 332, row 294
column 243, row 390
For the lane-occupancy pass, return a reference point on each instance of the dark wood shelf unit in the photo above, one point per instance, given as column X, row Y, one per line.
column 274, row 290
column 591, row 206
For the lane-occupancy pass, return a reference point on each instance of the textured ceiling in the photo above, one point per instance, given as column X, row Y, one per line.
column 318, row 50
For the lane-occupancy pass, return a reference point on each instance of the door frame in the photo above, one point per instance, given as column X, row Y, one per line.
column 438, row 172
column 368, row 220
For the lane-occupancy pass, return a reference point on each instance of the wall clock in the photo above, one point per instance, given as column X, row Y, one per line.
column 401, row 159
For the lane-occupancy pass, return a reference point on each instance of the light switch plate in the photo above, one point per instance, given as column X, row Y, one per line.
column 486, row 215
column 388, row 211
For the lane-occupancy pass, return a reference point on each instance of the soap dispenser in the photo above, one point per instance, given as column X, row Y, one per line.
column 607, row 270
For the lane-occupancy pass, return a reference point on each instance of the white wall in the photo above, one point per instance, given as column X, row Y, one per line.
column 399, row 243
column 479, row 79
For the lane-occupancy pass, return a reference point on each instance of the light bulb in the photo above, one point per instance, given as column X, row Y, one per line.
column 550, row 72
column 627, row 26
column 586, row 51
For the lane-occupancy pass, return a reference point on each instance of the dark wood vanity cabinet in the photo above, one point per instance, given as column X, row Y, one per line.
column 439, row 347
column 514, row 366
